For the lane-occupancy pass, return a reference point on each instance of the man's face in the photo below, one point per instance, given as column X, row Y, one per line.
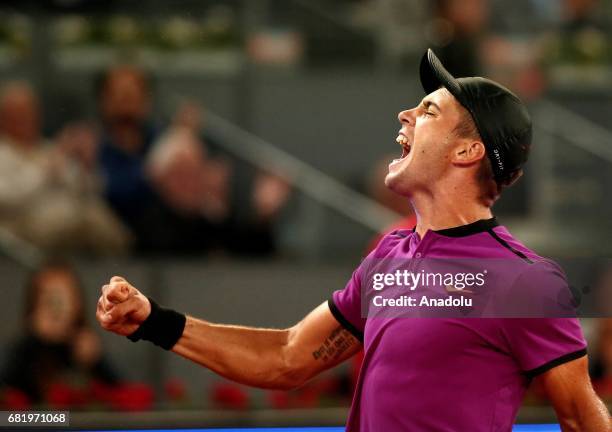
column 125, row 99
column 427, row 138
column 20, row 115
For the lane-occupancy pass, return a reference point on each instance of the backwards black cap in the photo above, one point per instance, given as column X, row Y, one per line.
column 500, row 116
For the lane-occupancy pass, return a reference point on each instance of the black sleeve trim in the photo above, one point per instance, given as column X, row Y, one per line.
column 510, row 248
column 343, row 321
column 556, row 362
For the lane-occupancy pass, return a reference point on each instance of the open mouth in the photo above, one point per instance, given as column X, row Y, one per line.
column 403, row 141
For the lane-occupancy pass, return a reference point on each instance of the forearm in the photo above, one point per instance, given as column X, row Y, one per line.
column 252, row 356
column 591, row 417
column 584, row 413
column 267, row 358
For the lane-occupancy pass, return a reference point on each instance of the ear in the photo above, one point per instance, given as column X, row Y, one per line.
column 468, row 152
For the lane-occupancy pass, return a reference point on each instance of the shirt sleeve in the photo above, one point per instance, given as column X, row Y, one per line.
column 550, row 334
column 345, row 305
column 540, row 344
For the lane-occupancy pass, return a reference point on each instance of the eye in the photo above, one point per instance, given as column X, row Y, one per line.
column 428, row 113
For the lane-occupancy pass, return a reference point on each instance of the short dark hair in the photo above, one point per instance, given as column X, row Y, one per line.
column 466, row 127
column 491, row 188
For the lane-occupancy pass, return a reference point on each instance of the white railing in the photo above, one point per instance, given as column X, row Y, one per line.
column 20, row 250
column 574, row 128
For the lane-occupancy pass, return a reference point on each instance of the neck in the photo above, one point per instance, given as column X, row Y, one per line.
column 447, row 207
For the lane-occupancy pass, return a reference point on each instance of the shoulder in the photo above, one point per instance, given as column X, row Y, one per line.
column 536, row 267
column 390, row 243
column 509, row 245
column 542, row 272
column 537, row 264
column 542, row 290
column 534, row 285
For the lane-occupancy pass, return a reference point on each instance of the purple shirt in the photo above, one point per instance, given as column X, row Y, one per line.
column 442, row 374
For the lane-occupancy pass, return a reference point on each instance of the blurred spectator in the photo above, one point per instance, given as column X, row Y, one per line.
column 514, row 63
column 186, row 177
column 584, row 33
column 153, row 194
column 127, row 135
column 46, row 196
column 167, row 186
column 192, row 177
column 581, row 14
column 576, row 50
column 471, row 40
column 458, row 27
column 58, row 350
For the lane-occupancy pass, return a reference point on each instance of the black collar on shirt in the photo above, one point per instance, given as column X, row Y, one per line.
column 469, row 229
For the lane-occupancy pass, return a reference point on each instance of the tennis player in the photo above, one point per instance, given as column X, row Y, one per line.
column 462, row 146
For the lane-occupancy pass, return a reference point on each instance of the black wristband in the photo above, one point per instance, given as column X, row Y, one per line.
column 163, row 327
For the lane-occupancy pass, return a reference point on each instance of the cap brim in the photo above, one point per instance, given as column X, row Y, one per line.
column 434, row 75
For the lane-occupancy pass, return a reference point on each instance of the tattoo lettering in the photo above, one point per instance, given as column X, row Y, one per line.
column 336, row 343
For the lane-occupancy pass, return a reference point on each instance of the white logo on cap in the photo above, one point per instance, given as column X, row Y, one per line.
column 500, row 164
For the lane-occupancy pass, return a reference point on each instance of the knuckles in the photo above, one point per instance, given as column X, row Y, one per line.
column 109, row 314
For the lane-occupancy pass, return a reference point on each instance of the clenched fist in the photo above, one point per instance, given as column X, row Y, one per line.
column 121, row 307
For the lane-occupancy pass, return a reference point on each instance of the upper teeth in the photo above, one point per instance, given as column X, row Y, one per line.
column 401, row 139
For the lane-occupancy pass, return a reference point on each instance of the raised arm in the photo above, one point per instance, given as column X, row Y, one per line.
column 267, row 358
column 577, row 406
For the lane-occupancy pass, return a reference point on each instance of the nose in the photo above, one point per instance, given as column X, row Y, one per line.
column 406, row 117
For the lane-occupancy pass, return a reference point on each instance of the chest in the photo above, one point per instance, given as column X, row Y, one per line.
column 434, row 343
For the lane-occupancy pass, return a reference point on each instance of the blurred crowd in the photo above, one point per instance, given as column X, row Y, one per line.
column 58, row 361
column 123, row 183
column 533, row 45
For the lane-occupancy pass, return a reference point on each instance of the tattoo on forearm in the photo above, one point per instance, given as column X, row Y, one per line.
column 336, row 343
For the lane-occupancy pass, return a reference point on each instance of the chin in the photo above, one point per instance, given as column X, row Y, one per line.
column 395, row 184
